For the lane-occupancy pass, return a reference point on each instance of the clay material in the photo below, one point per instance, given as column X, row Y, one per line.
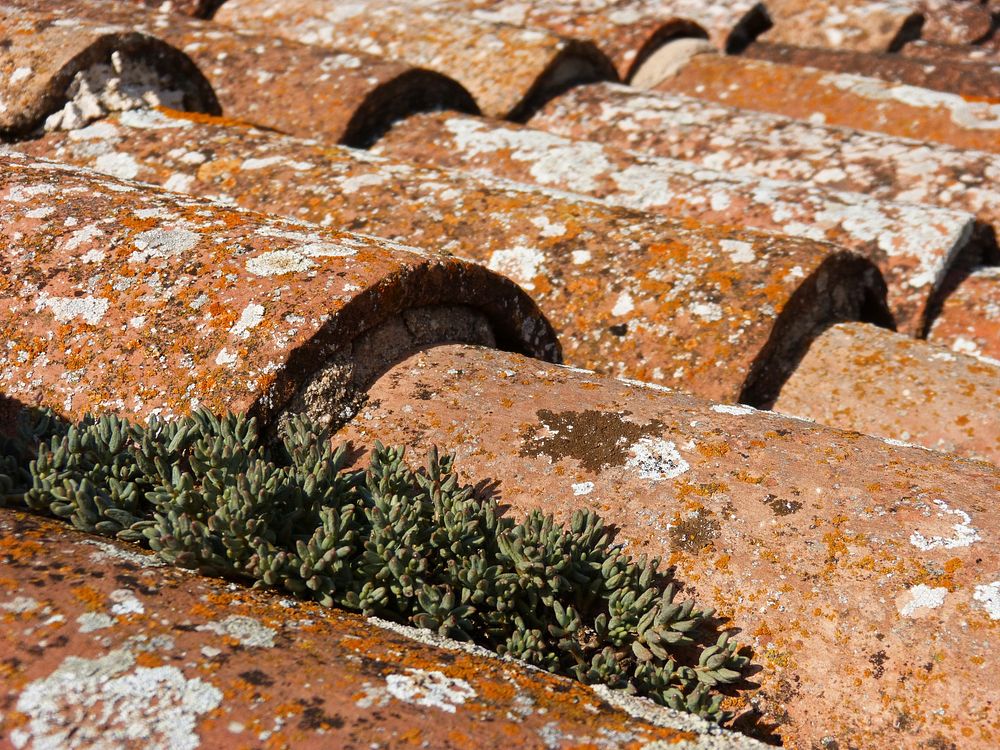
column 844, row 24
column 969, row 320
column 858, row 377
column 714, row 310
column 119, row 297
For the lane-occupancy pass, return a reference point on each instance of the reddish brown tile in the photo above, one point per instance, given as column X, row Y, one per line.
column 865, row 573
column 969, row 320
column 952, row 22
column 844, row 24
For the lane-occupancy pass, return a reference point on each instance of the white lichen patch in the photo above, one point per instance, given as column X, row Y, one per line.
column 988, row 595
column 117, row 165
column 656, row 459
column 278, row 263
column 522, row 264
column 125, row 602
column 163, row 243
column 623, row 305
column 433, row 689
column 739, row 251
column 920, row 598
column 964, row 534
column 65, row 309
column 250, row 318
column 246, row 630
column 737, row 410
column 583, row 488
column 108, row 702
column 91, row 621
column 111, row 552
column 20, row 605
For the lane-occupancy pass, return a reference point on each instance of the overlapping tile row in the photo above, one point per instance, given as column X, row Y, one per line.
column 838, row 99
column 912, row 245
column 865, row 573
column 969, row 320
column 507, row 69
column 975, row 82
column 859, row 377
column 844, row 24
column 730, row 138
column 194, row 8
column 104, row 644
column 952, row 22
column 190, row 303
column 262, row 79
column 719, row 311
column 40, row 60
column 937, row 52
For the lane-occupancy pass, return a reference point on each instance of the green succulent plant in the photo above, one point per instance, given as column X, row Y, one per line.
column 416, row 546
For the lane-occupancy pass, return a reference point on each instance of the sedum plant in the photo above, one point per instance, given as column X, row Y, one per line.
column 412, row 545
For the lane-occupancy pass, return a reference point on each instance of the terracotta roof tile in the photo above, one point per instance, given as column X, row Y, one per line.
column 40, row 59
column 969, row 320
column 507, row 69
column 853, row 564
column 153, row 656
column 261, row 78
column 676, row 308
column 838, row 99
column 142, row 301
column 955, row 23
column 940, row 52
column 912, row 245
column 858, row 377
column 976, row 82
column 844, row 24
column 729, row 138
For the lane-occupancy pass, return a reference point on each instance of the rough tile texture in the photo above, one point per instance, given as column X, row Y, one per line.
column 713, row 310
column 937, row 52
column 859, row 377
column 118, row 297
column 865, row 573
column 839, row 99
column 969, row 320
column 952, row 22
column 729, row 138
column 882, row 26
column 912, row 245
column 976, row 82
column 102, row 645
column 261, row 78
column 509, row 70
column 40, row 59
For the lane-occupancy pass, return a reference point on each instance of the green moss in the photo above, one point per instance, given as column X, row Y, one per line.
column 411, row 545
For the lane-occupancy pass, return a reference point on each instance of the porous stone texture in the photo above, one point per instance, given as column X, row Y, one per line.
column 882, row 26
column 976, row 82
column 840, row 99
column 949, row 22
column 261, row 78
column 858, row 377
column 730, row 138
column 50, row 69
column 714, row 310
column 913, row 246
column 191, row 662
column 859, row 569
column 508, row 70
column 120, row 297
column 969, row 320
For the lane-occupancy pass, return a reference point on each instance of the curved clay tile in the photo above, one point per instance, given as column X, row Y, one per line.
column 844, row 24
column 714, row 310
column 282, row 85
column 195, row 8
column 119, row 297
column 729, row 138
column 136, row 649
column 938, row 52
column 40, row 59
column 969, row 320
column 973, row 81
column 865, row 573
column 838, row 99
column 859, row 377
column 912, row 245
column 508, row 70
column 950, row 22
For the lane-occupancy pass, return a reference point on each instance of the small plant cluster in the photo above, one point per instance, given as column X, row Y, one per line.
column 414, row 546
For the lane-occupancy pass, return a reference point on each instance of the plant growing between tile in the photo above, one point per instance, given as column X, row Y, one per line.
column 414, row 546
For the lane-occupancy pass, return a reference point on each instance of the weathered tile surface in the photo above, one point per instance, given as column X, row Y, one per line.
column 859, row 377
column 975, row 82
column 844, row 24
column 969, row 320
column 912, row 245
column 104, row 646
column 865, row 573
column 839, row 99
column 952, row 22
column 120, row 297
column 40, row 58
column 264, row 79
column 713, row 310
column 939, row 52
column 507, row 69
column 729, row 138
